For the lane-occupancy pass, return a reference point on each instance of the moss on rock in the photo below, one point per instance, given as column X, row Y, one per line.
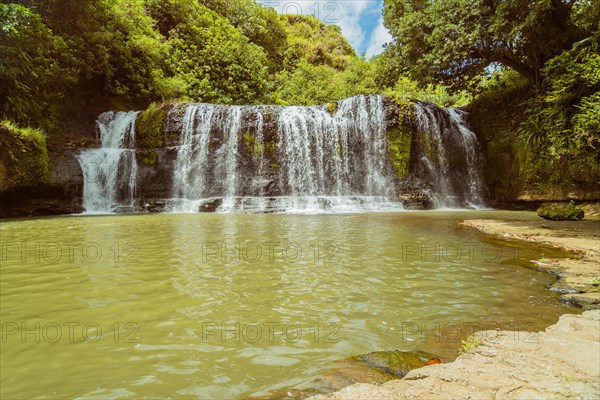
column 564, row 212
column 400, row 137
column 254, row 148
column 149, row 126
column 23, row 156
column 146, row 157
column 275, row 168
column 270, row 147
column 399, row 143
column 397, row 363
column 332, row 107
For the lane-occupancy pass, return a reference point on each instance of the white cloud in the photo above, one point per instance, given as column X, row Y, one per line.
column 349, row 15
column 379, row 36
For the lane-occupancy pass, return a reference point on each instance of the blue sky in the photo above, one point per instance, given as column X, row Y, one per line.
column 361, row 20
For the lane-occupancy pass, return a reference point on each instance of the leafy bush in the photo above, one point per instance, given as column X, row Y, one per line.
column 568, row 212
column 148, row 126
column 406, row 89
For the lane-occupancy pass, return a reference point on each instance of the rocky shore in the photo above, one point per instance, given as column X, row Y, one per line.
column 578, row 276
column 561, row 362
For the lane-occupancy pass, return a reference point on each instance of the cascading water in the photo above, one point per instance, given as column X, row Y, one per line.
column 190, row 175
column 110, row 172
column 200, row 173
column 286, row 159
column 448, row 164
column 316, row 161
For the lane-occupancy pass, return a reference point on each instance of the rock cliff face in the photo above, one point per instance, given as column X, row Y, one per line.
column 61, row 195
column 29, row 186
column 341, row 156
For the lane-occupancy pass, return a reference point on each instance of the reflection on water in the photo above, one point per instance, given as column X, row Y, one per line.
column 224, row 306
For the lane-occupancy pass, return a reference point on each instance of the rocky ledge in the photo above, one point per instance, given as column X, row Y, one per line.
column 561, row 362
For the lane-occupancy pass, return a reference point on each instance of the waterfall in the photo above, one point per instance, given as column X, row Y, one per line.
column 336, row 159
column 266, row 158
column 278, row 159
column 198, row 173
column 446, row 161
column 110, row 172
column 190, row 172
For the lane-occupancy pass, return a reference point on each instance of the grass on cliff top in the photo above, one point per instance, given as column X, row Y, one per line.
column 25, row 133
column 25, row 156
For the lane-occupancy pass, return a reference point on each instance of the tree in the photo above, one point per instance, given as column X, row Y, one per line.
column 212, row 58
column 261, row 25
column 309, row 84
column 36, row 68
column 319, row 44
column 454, row 41
column 565, row 118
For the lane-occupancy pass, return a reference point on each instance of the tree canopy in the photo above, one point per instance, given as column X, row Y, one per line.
column 64, row 56
column 129, row 53
column 456, row 41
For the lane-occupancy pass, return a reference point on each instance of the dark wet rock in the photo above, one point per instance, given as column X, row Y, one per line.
column 125, row 209
column 372, row 368
column 154, row 206
column 562, row 288
column 210, row 205
column 585, row 301
column 396, row 363
column 62, row 195
column 40, row 200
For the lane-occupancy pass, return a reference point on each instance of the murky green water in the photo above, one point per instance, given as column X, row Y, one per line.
column 226, row 306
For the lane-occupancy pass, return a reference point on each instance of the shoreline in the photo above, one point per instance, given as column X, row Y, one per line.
column 581, row 238
column 563, row 361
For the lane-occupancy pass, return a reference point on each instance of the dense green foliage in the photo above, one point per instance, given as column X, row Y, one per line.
column 406, row 89
column 565, row 212
column 34, row 67
column 527, row 70
column 320, row 65
column 565, row 117
column 455, row 40
column 129, row 53
column 532, row 68
column 208, row 59
column 23, row 156
column 148, row 126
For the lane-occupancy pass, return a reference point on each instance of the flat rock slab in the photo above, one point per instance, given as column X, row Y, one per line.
column 579, row 236
column 561, row 362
